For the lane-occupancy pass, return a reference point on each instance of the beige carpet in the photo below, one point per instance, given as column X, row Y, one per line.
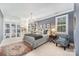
column 50, row 49
column 17, row 49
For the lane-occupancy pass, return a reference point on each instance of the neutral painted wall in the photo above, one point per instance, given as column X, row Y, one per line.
column 1, row 26
column 76, row 32
column 51, row 20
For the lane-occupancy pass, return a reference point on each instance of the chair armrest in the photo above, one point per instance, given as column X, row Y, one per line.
column 62, row 41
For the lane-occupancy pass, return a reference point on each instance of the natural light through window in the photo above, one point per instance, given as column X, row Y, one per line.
column 62, row 24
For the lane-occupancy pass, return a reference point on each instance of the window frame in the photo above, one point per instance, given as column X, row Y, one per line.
column 56, row 22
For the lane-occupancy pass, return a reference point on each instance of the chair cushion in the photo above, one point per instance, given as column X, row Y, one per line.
column 63, row 41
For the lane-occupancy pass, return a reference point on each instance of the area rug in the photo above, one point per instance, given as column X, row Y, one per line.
column 17, row 49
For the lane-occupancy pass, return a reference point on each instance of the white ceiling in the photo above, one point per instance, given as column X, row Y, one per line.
column 23, row 10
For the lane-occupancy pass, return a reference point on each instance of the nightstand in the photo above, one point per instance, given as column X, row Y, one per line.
column 52, row 38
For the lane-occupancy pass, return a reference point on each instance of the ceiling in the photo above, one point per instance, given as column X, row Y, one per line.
column 38, row 10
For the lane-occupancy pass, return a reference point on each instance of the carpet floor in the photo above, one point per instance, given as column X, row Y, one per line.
column 47, row 49
column 50, row 49
column 17, row 49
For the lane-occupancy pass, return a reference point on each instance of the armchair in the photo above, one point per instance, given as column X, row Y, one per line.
column 63, row 41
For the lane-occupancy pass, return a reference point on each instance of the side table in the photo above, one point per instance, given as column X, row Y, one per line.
column 52, row 38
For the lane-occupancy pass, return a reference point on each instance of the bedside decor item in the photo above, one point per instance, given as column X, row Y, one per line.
column 49, row 32
column 54, row 32
column 53, row 35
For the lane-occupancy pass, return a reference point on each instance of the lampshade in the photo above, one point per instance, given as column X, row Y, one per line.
column 54, row 31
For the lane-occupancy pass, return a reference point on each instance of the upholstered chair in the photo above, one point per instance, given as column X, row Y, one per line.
column 63, row 40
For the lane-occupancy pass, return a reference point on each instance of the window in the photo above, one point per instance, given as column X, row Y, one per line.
column 12, row 30
column 7, row 30
column 62, row 24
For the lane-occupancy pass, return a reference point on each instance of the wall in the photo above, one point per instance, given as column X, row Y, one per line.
column 1, row 26
column 50, row 9
column 70, row 26
column 51, row 20
column 47, row 21
column 10, row 40
column 76, row 32
column 24, row 23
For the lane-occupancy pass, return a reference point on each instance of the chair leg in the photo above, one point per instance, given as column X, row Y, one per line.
column 53, row 41
column 64, row 48
column 68, row 45
column 56, row 44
